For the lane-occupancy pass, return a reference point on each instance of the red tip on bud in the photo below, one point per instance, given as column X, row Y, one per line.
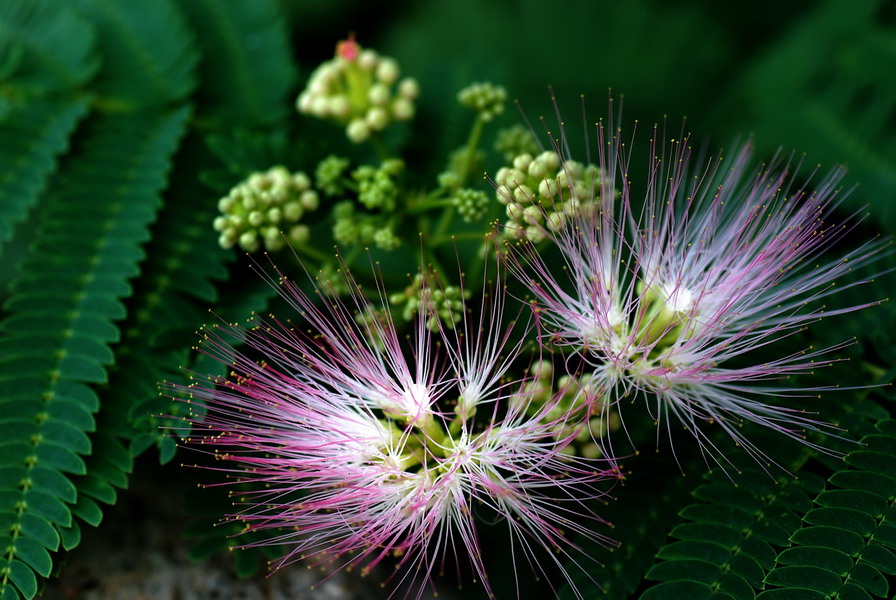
column 348, row 49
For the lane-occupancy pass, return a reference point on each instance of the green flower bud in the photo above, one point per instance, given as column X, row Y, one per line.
column 522, row 162
column 299, row 234
column 248, row 241
column 515, row 140
column 255, row 218
column 449, row 180
column 386, row 239
column 377, row 118
column 378, row 188
column 329, row 175
column 226, row 241
column 309, row 200
column 555, row 221
column 346, row 88
column 378, row 94
column 254, row 211
column 409, row 89
column 357, row 131
column 471, row 204
column 443, row 304
column 387, row 71
column 523, row 194
column 338, row 107
column 403, row 109
column 293, row 211
column 547, row 193
column 485, row 98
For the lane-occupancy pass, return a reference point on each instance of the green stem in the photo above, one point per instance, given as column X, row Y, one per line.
column 436, row 265
column 444, row 222
column 312, row 253
column 470, row 150
column 435, row 437
column 876, row 371
column 427, row 204
column 358, row 84
column 469, row 153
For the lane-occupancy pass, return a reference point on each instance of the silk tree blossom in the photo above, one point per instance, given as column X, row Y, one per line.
column 343, row 436
column 679, row 297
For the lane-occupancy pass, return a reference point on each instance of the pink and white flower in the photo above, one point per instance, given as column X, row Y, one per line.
column 342, row 431
column 678, row 295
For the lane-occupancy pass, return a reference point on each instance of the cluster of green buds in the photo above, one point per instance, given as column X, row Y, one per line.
column 515, row 140
column 571, row 395
column 264, row 208
column 351, row 228
column 378, row 187
column 471, row 204
column 377, row 190
column 329, row 176
column 355, row 89
column 485, row 98
column 444, row 304
column 543, row 191
column 331, row 279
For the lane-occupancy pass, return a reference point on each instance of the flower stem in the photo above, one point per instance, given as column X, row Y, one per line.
column 470, row 150
column 312, row 252
column 469, row 153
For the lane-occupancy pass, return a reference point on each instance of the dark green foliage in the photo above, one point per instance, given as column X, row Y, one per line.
column 45, row 47
column 856, row 509
column 755, row 536
column 247, row 70
column 148, row 54
column 68, row 295
column 837, row 98
column 31, row 135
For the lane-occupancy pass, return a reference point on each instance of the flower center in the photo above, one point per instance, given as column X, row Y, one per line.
column 678, row 298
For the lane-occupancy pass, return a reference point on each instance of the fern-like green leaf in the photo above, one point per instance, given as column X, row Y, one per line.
column 148, row 54
column 184, row 260
column 247, row 71
column 845, row 548
column 114, row 178
column 45, row 47
column 31, row 136
column 727, row 543
column 182, row 264
column 792, row 536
